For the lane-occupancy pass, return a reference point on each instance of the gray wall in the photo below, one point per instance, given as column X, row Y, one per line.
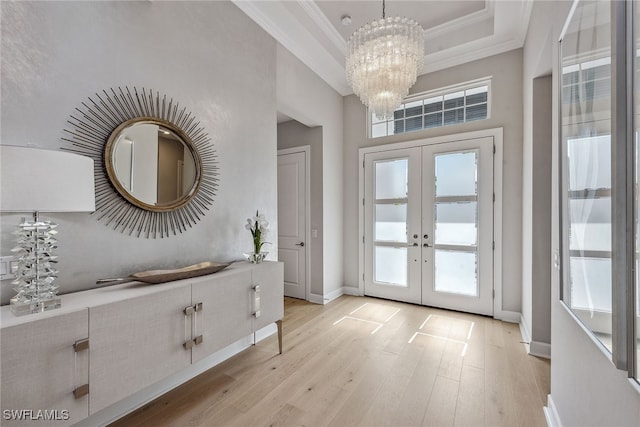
column 540, row 241
column 295, row 134
column 506, row 112
column 586, row 389
column 212, row 59
column 305, row 97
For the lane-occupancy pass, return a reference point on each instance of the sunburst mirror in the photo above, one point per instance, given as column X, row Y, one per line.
column 156, row 169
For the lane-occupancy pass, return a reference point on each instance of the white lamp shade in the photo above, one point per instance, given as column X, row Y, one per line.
column 33, row 179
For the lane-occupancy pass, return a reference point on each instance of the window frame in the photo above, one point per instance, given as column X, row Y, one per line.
column 442, row 91
column 623, row 214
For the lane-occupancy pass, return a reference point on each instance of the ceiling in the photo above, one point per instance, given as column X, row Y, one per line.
column 456, row 32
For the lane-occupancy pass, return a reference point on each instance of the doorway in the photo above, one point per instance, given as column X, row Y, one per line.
column 293, row 220
column 428, row 234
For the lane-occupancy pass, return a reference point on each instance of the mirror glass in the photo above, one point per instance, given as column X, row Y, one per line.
column 152, row 164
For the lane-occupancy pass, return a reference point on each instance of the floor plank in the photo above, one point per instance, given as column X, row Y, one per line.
column 367, row 362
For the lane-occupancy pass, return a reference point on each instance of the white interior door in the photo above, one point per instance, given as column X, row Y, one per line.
column 428, row 219
column 292, row 224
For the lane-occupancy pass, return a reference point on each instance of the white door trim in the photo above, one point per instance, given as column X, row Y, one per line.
column 497, row 134
column 306, row 149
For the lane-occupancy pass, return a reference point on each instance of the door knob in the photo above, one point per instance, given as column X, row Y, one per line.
column 426, row 236
column 426, row 245
column 301, row 244
column 415, row 244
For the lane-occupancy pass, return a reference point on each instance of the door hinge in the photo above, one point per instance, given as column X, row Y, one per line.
column 363, row 277
column 493, row 245
column 494, row 149
column 494, row 197
column 362, row 239
column 363, row 201
column 363, row 164
column 494, row 293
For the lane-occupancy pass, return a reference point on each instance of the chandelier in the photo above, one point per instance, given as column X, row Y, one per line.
column 383, row 61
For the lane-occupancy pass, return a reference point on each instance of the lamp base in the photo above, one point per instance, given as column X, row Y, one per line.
column 22, row 308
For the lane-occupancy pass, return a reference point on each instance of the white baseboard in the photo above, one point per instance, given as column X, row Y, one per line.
column 125, row 406
column 551, row 413
column 540, row 349
column 316, row 299
column 524, row 330
column 333, row 295
column 350, row 290
column 534, row 348
column 508, row 316
column 328, row 297
column 265, row 332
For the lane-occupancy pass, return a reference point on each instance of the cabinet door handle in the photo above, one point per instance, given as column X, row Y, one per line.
column 256, row 301
column 81, row 345
column 81, row 391
column 198, row 340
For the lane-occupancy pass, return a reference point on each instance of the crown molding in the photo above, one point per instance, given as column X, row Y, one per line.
column 511, row 21
column 287, row 30
column 324, row 25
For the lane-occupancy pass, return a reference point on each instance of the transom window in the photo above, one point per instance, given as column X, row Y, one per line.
column 442, row 107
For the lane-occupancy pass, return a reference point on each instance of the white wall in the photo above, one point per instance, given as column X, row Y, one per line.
column 506, row 112
column 208, row 56
column 303, row 96
column 586, row 389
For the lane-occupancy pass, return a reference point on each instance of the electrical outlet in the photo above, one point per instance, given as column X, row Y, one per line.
column 8, row 267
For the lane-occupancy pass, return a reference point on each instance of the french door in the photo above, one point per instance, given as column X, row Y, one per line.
column 429, row 225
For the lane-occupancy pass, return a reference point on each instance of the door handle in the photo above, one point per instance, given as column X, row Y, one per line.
column 426, row 245
column 414, row 245
column 301, row 244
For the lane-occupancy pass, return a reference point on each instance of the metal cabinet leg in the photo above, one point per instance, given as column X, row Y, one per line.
column 279, row 325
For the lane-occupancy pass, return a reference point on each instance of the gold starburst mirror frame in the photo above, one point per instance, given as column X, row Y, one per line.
column 156, row 171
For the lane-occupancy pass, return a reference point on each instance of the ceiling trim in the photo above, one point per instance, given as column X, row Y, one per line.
column 324, row 24
column 459, row 24
column 277, row 21
column 511, row 21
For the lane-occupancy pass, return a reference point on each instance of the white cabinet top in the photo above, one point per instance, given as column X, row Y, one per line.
column 109, row 294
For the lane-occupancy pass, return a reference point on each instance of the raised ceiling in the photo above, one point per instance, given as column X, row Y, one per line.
column 456, row 32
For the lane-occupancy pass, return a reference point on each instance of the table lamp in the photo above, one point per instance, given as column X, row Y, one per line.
column 36, row 180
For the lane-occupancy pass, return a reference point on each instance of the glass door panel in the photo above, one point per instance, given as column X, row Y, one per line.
column 456, row 272
column 391, row 179
column 391, row 222
column 391, row 266
column 392, row 209
column 458, row 225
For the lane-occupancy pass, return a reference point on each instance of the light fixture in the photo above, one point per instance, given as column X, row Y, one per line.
column 35, row 180
column 383, row 61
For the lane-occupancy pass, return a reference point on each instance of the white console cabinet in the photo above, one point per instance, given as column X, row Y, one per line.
column 115, row 341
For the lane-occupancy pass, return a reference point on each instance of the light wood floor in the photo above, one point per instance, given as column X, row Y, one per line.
column 366, row 362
